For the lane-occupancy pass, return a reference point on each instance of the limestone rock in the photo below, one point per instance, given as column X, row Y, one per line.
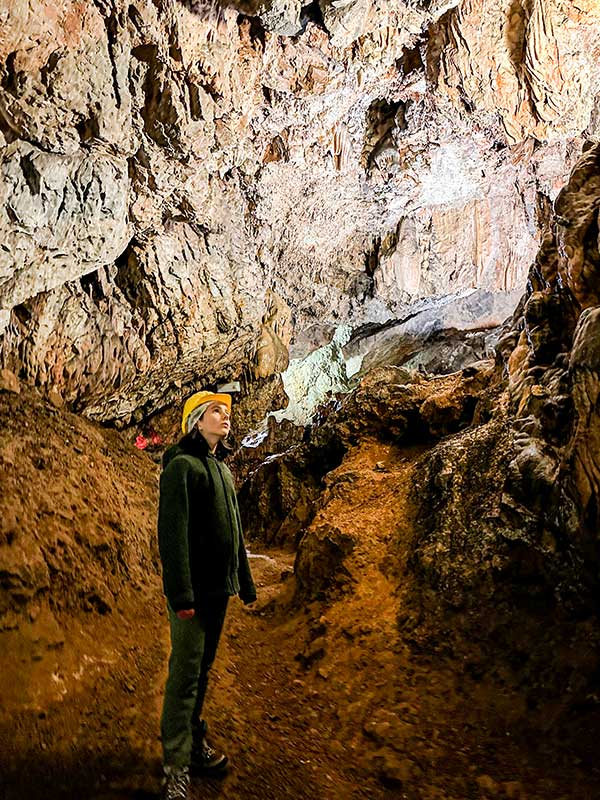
column 441, row 337
column 272, row 354
column 582, row 453
column 281, row 16
column 402, row 406
column 166, row 167
column 525, row 85
column 64, row 217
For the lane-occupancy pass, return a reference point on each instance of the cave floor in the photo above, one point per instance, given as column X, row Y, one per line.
column 321, row 700
column 285, row 721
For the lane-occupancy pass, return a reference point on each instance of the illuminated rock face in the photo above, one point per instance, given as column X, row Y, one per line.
column 537, row 442
column 187, row 190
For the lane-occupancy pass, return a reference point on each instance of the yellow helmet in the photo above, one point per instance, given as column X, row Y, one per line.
column 199, row 399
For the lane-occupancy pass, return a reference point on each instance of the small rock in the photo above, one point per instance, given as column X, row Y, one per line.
column 56, row 399
column 378, row 730
column 394, row 772
column 9, row 382
column 489, row 785
column 311, row 654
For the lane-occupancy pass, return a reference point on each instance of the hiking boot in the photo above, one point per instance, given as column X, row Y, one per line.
column 205, row 758
column 176, row 783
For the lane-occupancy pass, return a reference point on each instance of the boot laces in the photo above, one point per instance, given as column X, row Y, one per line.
column 208, row 752
column 177, row 785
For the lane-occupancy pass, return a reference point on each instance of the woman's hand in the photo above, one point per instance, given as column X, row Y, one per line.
column 185, row 613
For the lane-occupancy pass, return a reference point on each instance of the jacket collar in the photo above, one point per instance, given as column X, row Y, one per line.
column 194, row 444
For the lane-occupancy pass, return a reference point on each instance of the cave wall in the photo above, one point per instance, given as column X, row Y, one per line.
column 187, row 190
column 495, row 541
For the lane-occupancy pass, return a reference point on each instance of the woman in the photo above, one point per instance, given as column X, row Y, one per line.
column 204, row 563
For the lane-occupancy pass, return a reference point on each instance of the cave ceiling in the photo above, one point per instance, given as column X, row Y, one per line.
column 192, row 192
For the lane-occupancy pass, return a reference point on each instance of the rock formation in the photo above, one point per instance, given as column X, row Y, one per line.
column 501, row 543
column 77, row 519
column 168, row 168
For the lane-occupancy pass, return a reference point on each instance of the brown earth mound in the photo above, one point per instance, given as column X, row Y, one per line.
column 77, row 512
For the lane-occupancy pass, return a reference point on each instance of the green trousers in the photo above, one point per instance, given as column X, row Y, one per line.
column 194, row 645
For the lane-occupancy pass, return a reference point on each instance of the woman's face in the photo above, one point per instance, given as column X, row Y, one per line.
column 215, row 421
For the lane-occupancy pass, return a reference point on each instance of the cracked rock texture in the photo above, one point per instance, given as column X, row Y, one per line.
column 191, row 191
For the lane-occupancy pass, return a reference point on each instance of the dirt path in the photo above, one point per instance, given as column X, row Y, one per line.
column 279, row 729
column 103, row 744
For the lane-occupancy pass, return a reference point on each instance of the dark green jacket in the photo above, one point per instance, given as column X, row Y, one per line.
column 199, row 529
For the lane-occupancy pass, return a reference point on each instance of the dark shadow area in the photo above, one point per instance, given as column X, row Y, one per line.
column 438, row 37
column 47, row 775
column 118, row 775
column 382, row 117
column 411, row 60
column 256, row 32
column 312, row 13
column 516, row 31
